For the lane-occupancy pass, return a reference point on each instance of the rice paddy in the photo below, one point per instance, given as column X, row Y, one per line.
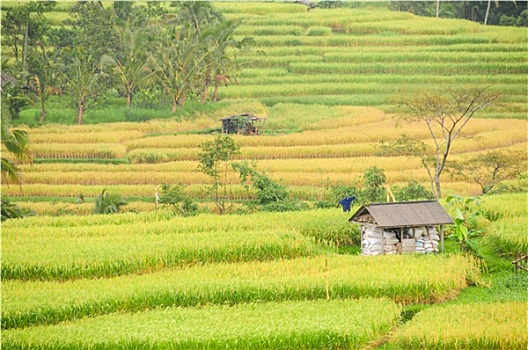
column 324, row 80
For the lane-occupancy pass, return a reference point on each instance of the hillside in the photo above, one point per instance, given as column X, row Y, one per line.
column 160, row 277
column 324, row 80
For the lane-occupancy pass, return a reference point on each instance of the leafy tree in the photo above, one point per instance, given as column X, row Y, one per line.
column 23, row 26
column 43, row 76
column 218, row 65
column 197, row 53
column 93, row 36
column 215, row 157
column 108, row 203
column 374, row 180
column 268, row 190
column 491, row 169
column 13, row 96
column 197, row 15
column 486, row 12
column 94, row 28
column 176, row 197
column 82, row 78
column 412, row 191
column 444, row 114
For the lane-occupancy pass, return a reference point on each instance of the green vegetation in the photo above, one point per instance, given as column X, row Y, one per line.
column 111, row 250
column 152, row 82
column 27, row 303
column 477, row 326
column 285, row 325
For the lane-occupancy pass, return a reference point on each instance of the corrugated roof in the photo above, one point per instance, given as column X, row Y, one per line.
column 403, row 214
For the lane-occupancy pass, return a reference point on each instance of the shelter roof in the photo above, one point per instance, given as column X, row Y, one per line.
column 246, row 115
column 402, row 214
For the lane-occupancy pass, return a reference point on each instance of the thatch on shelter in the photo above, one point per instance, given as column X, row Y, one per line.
column 391, row 228
column 245, row 124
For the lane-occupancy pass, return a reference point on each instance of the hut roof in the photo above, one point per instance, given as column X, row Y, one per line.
column 402, row 214
column 247, row 115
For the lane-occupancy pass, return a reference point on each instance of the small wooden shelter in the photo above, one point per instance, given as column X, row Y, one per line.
column 401, row 227
column 245, row 124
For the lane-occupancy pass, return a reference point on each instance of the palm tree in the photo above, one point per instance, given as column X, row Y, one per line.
column 219, row 65
column 16, row 143
column 82, row 76
column 130, row 64
column 197, row 15
column 176, row 64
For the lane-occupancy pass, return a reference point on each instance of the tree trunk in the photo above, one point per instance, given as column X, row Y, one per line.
column 80, row 112
column 438, row 188
column 182, row 99
column 129, row 99
column 25, row 44
column 42, row 110
column 206, row 91
column 215, row 95
column 174, row 105
column 437, row 8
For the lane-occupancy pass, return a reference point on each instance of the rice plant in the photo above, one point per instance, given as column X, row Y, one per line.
column 466, row 326
column 335, row 324
column 405, row 279
column 508, row 236
column 108, row 250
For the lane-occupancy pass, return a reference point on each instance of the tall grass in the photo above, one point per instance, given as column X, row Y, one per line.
column 405, row 279
column 467, row 326
column 332, row 324
column 103, row 251
column 508, row 237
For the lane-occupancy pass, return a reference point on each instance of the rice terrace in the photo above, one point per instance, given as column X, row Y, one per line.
column 264, row 175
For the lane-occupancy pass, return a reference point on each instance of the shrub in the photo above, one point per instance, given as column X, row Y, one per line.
column 412, row 191
column 285, row 205
column 10, row 210
column 108, row 203
column 268, row 190
column 175, row 196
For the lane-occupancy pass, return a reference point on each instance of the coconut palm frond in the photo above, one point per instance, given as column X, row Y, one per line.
column 10, row 172
column 18, row 145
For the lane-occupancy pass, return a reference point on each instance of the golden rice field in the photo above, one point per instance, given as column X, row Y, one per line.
column 468, row 326
column 331, row 151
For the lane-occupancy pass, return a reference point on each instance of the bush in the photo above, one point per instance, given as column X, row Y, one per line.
column 324, row 204
column 342, row 191
column 108, row 203
column 176, row 197
column 284, row 206
column 11, row 211
column 375, row 180
column 412, row 191
column 268, row 190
